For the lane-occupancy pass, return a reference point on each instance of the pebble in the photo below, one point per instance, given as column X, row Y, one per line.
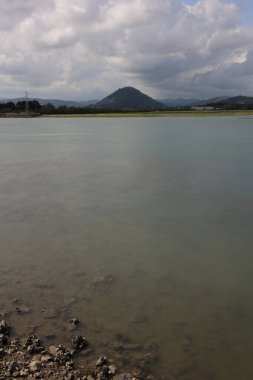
column 53, row 350
column 79, row 342
column 35, row 365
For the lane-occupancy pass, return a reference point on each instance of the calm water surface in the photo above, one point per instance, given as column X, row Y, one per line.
column 165, row 206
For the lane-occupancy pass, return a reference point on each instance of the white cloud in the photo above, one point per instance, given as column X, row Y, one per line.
column 87, row 48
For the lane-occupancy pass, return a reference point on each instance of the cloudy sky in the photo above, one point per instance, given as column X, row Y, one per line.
column 84, row 49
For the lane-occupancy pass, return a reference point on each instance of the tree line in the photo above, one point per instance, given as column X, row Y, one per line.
column 49, row 109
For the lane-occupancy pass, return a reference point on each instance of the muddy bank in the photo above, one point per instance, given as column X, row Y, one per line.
column 32, row 358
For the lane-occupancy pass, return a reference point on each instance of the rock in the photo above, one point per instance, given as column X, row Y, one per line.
column 46, row 358
column 24, row 372
column 74, row 321
column 36, row 357
column 35, row 365
column 53, row 350
column 79, row 342
column 12, row 367
column 4, row 328
column 69, row 364
column 70, row 376
column 2, row 352
column 53, row 362
column 38, row 375
column 33, row 345
column 3, row 340
column 73, row 324
column 3, row 313
column 112, row 370
column 101, row 361
column 15, row 300
column 63, row 355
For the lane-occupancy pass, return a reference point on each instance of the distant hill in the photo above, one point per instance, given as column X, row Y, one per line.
column 239, row 100
column 181, row 102
column 235, row 102
column 215, row 100
column 55, row 102
column 129, row 99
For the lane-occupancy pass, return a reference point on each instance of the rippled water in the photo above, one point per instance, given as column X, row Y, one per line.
column 141, row 228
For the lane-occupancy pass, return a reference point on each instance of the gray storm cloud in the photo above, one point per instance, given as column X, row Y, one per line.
column 87, row 48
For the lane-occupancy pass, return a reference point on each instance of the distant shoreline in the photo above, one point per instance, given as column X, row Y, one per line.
column 215, row 113
column 147, row 114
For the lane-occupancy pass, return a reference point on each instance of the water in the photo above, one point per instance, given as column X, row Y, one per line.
column 162, row 205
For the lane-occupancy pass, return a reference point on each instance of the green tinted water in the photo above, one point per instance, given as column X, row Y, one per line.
column 163, row 205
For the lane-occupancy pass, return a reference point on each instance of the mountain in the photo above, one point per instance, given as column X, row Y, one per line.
column 55, row 102
column 129, row 99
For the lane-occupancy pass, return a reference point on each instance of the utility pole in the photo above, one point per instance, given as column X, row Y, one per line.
column 26, row 102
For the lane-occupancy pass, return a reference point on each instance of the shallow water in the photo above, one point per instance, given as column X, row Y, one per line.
column 165, row 206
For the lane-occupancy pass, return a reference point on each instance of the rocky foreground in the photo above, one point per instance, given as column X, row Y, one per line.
column 28, row 358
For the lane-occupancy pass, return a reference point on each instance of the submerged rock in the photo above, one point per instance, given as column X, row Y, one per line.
column 23, row 309
column 73, row 324
column 102, row 282
column 74, row 321
column 80, row 342
column 15, row 300
column 50, row 313
column 127, row 347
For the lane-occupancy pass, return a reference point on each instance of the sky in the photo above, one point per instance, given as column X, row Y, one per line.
column 86, row 49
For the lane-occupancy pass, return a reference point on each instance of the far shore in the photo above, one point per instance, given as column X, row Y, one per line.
column 162, row 114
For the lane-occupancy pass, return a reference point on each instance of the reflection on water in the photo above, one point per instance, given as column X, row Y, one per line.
column 141, row 228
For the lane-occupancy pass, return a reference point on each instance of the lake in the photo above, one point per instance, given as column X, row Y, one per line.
column 140, row 227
